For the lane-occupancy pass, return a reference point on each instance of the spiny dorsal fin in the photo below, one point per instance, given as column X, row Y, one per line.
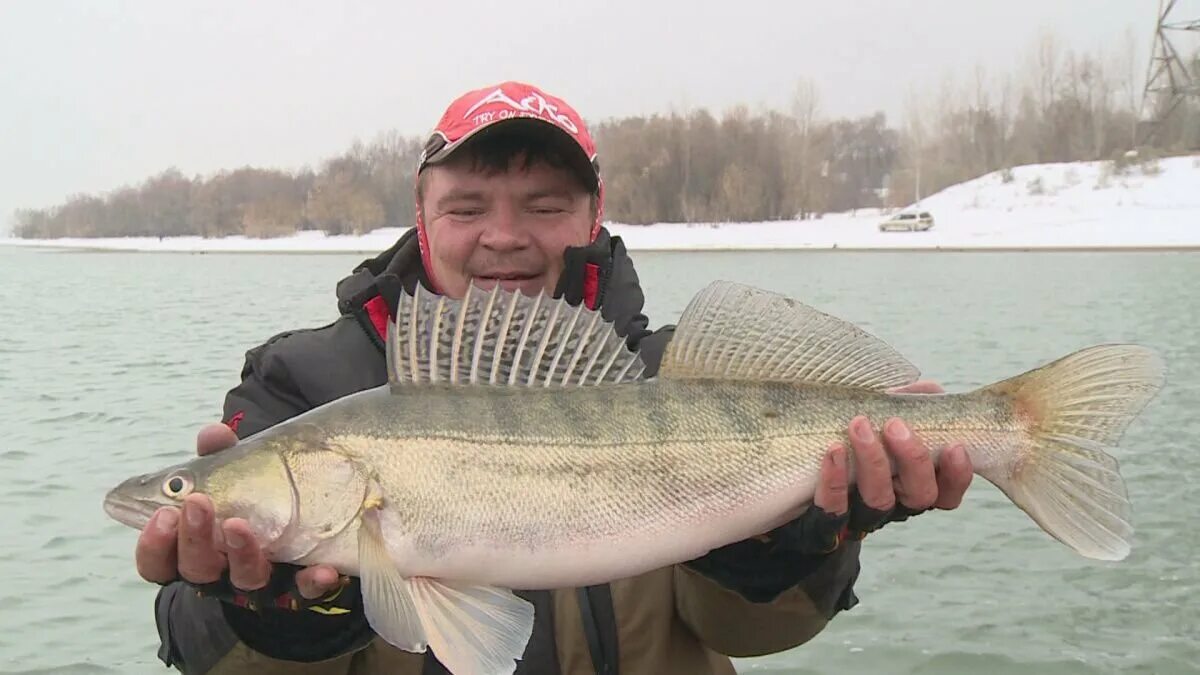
column 504, row 338
column 736, row 332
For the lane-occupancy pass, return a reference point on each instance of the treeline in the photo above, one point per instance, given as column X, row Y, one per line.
column 368, row 187
column 1059, row 105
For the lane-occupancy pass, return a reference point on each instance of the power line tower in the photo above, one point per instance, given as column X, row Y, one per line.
column 1169, row 81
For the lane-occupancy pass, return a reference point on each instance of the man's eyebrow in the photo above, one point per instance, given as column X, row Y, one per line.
column 549, row 192
column 459, row 195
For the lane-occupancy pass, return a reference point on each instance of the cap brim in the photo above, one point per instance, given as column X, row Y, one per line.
column 584, row 166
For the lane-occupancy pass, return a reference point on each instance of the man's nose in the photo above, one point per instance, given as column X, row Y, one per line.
column 504, row 231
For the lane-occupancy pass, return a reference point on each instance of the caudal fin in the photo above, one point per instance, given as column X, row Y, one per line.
column 1077, row 409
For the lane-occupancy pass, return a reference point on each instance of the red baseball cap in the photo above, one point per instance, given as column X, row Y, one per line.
column 519, row 107
column 513, row 102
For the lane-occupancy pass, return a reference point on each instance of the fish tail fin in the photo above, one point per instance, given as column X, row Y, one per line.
column 1075, row 410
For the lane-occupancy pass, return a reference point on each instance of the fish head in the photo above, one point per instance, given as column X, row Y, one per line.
column 249, row 481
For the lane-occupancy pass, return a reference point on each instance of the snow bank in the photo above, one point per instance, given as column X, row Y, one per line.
column 1069, row 205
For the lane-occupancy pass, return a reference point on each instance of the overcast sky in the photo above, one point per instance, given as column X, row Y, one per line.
column 95, row 95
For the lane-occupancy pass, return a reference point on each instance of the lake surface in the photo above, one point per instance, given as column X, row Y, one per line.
column 110, row 362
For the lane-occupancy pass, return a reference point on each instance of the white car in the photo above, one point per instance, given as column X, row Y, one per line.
column 907, row 222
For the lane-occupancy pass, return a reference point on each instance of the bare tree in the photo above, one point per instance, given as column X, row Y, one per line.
column 802, row 165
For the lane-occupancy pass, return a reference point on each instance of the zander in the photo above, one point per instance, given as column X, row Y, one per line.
column 518, row 445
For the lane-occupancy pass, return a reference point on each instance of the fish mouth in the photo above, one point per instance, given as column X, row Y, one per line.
column 128, row 510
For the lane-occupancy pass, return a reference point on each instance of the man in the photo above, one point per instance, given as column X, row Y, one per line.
column 509, row 193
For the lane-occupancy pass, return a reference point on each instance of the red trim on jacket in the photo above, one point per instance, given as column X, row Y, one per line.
column 591, row 285
column 377, row 310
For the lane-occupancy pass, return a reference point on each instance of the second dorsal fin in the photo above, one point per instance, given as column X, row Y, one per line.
column 737, row 332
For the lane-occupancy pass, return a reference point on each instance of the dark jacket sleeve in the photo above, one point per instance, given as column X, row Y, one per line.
column 730, row 623
column 267, row 393
column 196, row 632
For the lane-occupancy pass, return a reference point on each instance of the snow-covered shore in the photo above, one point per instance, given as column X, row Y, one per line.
column 1079, row 205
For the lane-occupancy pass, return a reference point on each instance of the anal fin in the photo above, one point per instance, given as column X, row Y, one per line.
column 471, row 629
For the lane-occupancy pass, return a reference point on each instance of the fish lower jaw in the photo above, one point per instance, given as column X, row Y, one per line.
column 132, row 513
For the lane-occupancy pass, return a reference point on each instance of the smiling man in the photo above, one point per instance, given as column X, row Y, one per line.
column 509, row 193
column 486, row 225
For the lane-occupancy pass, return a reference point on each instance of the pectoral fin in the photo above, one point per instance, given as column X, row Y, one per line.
column 472, row 630
column 387, row 596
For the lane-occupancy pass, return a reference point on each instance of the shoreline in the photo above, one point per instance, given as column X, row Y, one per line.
column 1077, row 207
column 1005, row 248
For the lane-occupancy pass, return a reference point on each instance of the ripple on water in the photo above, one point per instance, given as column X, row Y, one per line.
column 952, row 571
column 958, row 662
column 56, row 543
column 26, row 494
column 59, row 419
column 77, row 668
column 51, row 485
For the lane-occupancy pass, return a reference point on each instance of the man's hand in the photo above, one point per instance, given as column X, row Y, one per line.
column 193, row 547
column 918, row 485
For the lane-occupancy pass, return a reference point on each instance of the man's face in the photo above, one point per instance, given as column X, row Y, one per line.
column 503, row 228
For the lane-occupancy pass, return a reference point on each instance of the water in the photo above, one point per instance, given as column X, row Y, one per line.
column 109, row 363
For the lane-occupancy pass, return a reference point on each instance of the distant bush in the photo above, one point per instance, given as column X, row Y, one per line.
column 1148, row 161
column 1006, row 174
column 1036, row 186
column 1121, row 161
column 1143, row 159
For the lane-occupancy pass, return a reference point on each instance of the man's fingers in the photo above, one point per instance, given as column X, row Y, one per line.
column 874, row 469
column 249, row 569
column 155, row 552
column 199, row 560
column 917, row 486
column 316, row 581
column 954, row 475
column 833, row 485
column 214, row 437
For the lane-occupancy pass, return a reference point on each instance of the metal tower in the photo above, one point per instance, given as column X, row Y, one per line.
column 1169, row 82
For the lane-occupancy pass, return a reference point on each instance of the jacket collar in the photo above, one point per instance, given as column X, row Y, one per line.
column 601, row 273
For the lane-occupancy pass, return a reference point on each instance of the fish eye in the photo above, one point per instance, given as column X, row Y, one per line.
column 176, row 487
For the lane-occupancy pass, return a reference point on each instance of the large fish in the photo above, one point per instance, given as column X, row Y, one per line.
column 518, row 445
